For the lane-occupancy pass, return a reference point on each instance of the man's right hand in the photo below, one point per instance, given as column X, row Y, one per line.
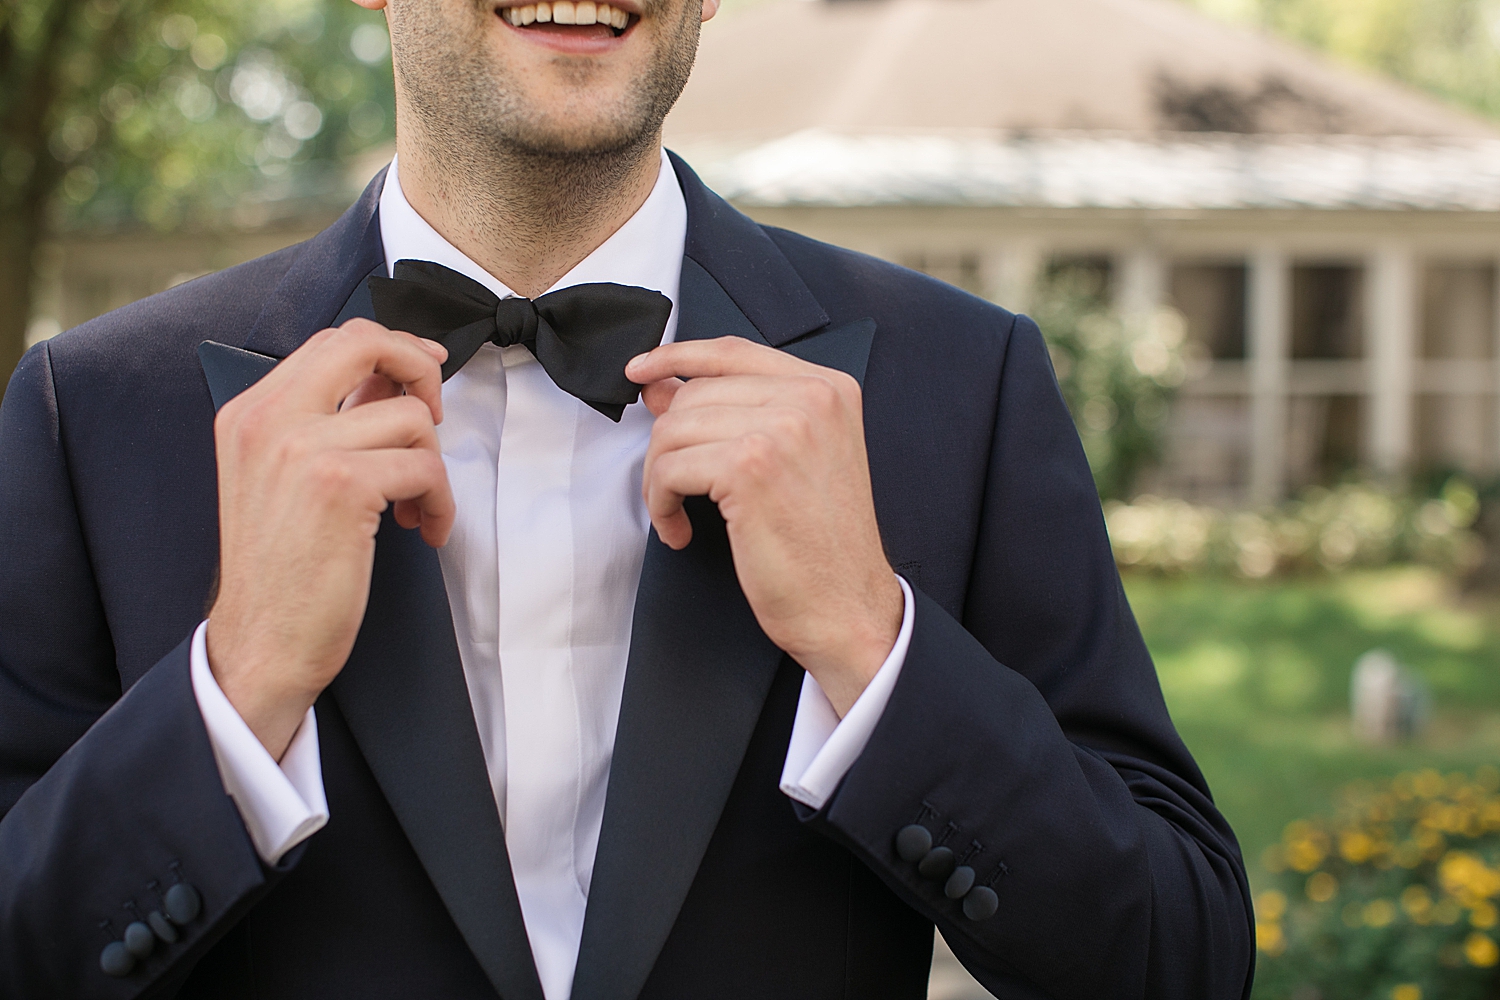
column 304, row 475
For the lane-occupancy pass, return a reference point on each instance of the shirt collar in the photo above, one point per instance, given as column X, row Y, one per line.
column 645, row 251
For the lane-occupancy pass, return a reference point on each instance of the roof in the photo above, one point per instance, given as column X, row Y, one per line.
column 1074, row 170
column 768, row 68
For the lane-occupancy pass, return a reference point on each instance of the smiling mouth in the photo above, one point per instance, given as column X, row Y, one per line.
column 583, row 17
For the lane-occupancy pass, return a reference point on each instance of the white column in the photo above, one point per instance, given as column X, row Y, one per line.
column 1142, row 285
column 1391, row 345
column 1009, row 274
column 1268, row 323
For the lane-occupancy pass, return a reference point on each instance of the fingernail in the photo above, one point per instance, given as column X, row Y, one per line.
column 638, row 359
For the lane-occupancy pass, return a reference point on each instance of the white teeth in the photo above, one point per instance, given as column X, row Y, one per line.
column 567, row 12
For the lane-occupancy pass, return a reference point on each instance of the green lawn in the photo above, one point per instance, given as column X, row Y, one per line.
column 1257, row 677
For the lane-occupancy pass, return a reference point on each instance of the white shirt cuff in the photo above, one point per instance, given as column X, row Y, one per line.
column 823, row 746
column 282, row 804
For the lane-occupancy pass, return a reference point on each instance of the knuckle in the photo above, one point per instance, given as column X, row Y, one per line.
column 332, row 476
column 756, row 456
column 292, row 450
column 793, row 424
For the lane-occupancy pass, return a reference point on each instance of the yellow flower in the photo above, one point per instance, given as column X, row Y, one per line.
column 1481, row 950
column 1417, row 902
column 1356, row 846
column 1483, row 915
column 1406, row 991
column 1305, row 846
column 1466, row 877
column 1322, row 887
column 1269, row 939
column 1379, row 913
column 1270, row 905
column 1428, row 784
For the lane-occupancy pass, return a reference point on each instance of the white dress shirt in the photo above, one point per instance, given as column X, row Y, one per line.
column 541, row 572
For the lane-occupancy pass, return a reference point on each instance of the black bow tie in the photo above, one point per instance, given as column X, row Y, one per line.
column 582, row 335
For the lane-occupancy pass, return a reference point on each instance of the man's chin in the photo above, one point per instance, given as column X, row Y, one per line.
column 565, row 137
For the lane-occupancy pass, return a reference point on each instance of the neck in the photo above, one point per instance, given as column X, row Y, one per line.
column 527, row 218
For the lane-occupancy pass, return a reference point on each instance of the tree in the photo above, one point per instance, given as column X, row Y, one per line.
column 168, row 112
column 1450, row 48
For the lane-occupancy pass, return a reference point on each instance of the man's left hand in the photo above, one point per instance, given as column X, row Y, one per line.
column 778, row 443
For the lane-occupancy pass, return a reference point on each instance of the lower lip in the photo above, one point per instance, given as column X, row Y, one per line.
column 564, row 39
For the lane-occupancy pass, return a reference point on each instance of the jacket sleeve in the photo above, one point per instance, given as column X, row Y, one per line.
column 1027, row 735
column 107, row 799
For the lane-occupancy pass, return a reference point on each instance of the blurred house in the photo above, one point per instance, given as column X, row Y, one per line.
column 1331, row 238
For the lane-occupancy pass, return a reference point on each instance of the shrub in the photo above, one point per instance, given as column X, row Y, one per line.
column 1393, row 896
column 1349, row 526
column 1116, row 376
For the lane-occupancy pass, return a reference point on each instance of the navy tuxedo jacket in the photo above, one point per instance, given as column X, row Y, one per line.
column 1027, row 731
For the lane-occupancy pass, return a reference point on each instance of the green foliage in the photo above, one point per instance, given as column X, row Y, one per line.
column 1349, row 526
column 1117, row 376
column 1256, row 674
column 1447, row 47
column 173, row 111
column 1394, row 895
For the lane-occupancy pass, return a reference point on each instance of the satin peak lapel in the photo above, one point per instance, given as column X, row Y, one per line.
column 403, row 692
column 404, row 696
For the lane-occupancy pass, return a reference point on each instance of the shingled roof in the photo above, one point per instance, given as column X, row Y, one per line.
column 773, row 67
column 1064, row 103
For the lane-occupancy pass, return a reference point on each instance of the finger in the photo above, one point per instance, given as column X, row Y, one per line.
column 751, row 390
column 334, row 362
column 707, row 358
column 686, row 472
column 410, row 474
column 658, row 395
column 790, row 427
column 398, row 422
column 371, row 389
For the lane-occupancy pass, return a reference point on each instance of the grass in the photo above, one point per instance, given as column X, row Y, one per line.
column 1257, row 677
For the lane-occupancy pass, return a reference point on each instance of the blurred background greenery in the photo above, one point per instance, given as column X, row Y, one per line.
column 169, row 114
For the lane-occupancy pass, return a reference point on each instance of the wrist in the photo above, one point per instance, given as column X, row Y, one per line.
column 862, row 642
column 272, row 708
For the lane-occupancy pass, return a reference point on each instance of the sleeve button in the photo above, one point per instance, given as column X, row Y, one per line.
column 959, row 883
column 162, row 927
column 913, row 842
column 937, row 865
column 183, row 903
column 139, row 940
column 116, row 960
column 981, row 903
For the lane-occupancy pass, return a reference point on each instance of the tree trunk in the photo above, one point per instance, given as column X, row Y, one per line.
column 19, row 237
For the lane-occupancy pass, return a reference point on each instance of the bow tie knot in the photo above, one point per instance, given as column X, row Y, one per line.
column 583, row 335
column 516, row 322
